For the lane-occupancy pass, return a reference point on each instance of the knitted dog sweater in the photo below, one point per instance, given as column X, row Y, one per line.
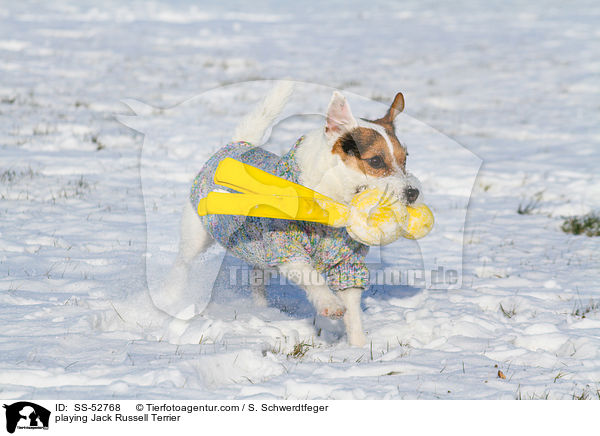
column 268, row 242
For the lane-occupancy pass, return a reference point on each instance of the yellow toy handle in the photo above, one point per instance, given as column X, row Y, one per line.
column 274, row 206
column 268, row 196
column 251, row 180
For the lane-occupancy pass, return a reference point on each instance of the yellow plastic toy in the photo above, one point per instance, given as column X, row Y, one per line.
column 371, row 218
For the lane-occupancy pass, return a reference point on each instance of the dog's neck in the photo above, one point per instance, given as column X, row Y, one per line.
column 324, row 171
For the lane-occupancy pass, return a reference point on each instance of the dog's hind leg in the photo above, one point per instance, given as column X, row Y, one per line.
column 194, row 239
column 258, row 285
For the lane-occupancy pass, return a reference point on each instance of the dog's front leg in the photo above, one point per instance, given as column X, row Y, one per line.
column 352, row 319
column 317, row 291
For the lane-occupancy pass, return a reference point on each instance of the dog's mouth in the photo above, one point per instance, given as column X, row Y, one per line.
column 360, row 189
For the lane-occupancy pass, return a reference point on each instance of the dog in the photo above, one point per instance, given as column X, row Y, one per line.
column 338, row 159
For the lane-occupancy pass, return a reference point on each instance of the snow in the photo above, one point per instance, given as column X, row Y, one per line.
column 507, row 85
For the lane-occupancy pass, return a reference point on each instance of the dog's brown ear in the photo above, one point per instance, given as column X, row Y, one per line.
column 396, row 107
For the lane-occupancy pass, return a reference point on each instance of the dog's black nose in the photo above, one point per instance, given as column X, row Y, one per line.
column 411, row 194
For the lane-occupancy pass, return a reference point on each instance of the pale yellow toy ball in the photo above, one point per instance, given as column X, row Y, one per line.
column 377, row 219
column 420, row 221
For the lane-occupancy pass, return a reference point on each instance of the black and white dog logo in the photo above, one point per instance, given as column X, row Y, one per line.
column 26, row 415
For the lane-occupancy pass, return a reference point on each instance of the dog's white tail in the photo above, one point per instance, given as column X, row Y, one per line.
column 255, row 124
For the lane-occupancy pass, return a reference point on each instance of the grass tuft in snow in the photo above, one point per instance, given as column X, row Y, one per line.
column 588, row 225
column 8, row 100
column 11, row 176
column 559, row 376
column 300, row 349
column 584, row 394
column 96, row 141
column 74, row 189
column 531, row 205
column 581, row 310
column 508, row 313
column 531, row 396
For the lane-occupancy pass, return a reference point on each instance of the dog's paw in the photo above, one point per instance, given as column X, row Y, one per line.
column 260, row 300
column 357, row 339
column 331, row 306
column 337, row 313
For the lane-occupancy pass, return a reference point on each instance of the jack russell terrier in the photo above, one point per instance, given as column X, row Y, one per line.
column 338, row 160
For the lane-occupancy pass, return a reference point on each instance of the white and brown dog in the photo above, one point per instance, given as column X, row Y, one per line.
column 338, row 159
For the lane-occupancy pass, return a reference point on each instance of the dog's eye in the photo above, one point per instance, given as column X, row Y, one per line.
column 376, row 162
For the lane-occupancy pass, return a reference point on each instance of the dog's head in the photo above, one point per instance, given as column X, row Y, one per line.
column 370, row 153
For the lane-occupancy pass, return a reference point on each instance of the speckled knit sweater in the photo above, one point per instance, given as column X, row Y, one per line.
column 268, row 242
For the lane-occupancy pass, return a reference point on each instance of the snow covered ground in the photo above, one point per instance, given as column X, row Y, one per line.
column 515, row 84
